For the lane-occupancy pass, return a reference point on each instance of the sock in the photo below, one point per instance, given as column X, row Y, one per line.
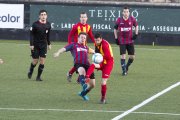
column 90, row 70
column 40, row 70
column 123, row 65
column 129, row 62
column 103, row 91
column 31, row 69
column 82, row 79
column 83, row 93
column 72, row 70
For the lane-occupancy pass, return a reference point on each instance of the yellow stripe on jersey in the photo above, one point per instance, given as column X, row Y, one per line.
column 102, row 52
column 84, row 29
column 79, row 29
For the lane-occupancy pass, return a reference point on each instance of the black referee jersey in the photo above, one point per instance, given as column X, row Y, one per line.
column 39, row 33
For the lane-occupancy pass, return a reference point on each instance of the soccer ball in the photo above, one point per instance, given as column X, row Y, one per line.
column 1, row 61
column 97, row 58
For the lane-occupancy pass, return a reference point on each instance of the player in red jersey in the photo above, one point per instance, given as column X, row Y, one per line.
column 82, row 26
column 125, row 39
column 81, row 62
column 103, row 47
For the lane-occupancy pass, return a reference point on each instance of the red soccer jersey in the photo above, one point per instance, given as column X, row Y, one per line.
column 106, row 51
column 77, row 28
column 125, row 29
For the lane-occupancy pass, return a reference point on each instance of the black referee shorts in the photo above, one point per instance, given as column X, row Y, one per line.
column 77, row 65
column 39, row 51
column 128, row 47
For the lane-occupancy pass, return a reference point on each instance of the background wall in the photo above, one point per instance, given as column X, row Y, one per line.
column 157, row 23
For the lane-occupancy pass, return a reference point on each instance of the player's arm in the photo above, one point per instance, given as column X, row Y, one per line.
column 48, row 40
column 136, row 29
column 107, row 52
column 116, row 31
column 56, row 54
column 32, row 30
column 64, row 49
column 91, row 36
column 72, row 33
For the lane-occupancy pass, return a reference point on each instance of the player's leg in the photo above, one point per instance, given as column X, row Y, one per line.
column 103, row 90
column 123, row 59
column 90, row 85
column 70, row 73
column 35, row 58
column 91, row 69
column 131, row 53
column 42, row 54
column 82, row 72
column 106, row 71
column 40, row 69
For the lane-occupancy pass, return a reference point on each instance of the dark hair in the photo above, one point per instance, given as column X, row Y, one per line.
column 97, row 35
column 41, row 11
column 125, row 7
column 82, row 33
column 83, row 13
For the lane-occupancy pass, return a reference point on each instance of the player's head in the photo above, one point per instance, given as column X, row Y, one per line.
column 98, row 38
column 82, row 37
column 125, row 12
column 43, row 15
column 83, row 17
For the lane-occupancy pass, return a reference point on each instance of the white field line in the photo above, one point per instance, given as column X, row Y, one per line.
column 98, row 111
column 145, row 102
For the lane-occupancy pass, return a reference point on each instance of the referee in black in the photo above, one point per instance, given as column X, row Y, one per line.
column 39, row 41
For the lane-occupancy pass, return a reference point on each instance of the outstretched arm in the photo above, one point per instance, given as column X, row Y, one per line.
column 56, row 54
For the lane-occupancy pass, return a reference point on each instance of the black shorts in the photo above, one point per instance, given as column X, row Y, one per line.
column 77, row 65
column 39, row 51
column 128, row 47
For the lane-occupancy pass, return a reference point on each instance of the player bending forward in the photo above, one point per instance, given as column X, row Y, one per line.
column 106, row 66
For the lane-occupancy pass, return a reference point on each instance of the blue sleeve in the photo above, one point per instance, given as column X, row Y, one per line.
column 69, row 47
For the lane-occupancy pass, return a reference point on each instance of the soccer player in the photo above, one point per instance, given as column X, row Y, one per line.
column 81, row 63
column 81, row 26
column 103, row 47
column 125, row 39
column 39, row 41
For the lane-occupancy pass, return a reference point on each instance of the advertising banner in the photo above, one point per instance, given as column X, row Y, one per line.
column 12, row 16
column 102, row 18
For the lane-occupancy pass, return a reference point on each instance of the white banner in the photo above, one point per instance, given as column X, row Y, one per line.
column 12, row 16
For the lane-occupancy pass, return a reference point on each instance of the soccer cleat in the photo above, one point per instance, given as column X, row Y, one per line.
column 29, row 75
column 103, row 101
column 38, row 79
column 127, row 68
column 85, row 97
column 124, row 73
column 69, row 77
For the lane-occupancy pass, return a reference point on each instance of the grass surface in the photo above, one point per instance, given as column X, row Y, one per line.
column 154, row 69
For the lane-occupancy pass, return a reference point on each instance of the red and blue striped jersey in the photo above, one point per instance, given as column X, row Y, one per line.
column 79, row 53
column 125, row 29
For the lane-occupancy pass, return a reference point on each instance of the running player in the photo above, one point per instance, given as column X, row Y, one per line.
column 103, row 47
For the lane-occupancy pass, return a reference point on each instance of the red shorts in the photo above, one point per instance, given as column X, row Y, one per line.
column 106, row 69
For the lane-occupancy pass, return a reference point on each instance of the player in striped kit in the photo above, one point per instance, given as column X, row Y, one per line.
column 80, row 54
column 81, row 26
column 125, row 39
